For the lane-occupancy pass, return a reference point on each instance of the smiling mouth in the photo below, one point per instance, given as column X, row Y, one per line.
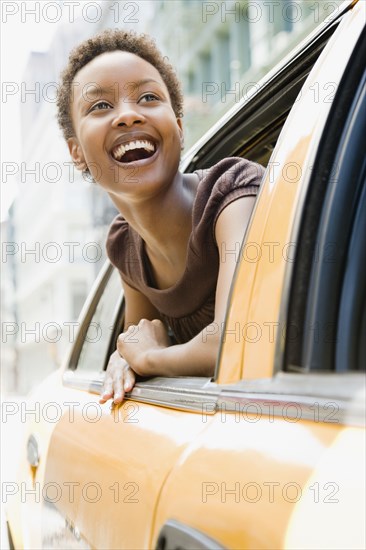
column 133, row 151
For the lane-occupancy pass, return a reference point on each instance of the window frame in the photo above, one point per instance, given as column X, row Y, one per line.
column 194, row 393
column 86, row 315
column 316, row 285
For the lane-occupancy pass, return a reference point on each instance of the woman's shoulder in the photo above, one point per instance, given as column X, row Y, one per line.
column 118, row 227
column 120, row 242
column 231, row 172
column 229, row 179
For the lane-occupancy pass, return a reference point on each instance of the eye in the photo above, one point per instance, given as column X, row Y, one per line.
column 148, row 97
column 100, row 106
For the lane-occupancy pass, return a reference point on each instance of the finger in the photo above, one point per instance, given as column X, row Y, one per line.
column 107, row 390
column 131, row 329
column 159, row 325
column 122, row 338
column 118, row 379
column 161, row 331
column 120, row 346
column 129, row 379
column 105, row 396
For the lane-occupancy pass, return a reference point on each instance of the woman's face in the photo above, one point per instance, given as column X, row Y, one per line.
column 126, row 132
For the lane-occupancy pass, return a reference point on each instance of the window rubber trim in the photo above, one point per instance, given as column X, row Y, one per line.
column 317, row 279
column 350, row 342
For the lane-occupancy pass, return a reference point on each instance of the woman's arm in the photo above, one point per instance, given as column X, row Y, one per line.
column 150, row 354
column 137, row 307
column 119, row 376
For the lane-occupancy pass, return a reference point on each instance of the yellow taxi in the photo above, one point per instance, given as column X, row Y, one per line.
column 270, row 453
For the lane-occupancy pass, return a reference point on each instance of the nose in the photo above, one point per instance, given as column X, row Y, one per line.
column 127, row 115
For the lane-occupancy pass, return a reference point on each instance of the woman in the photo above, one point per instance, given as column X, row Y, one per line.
column 120, row 109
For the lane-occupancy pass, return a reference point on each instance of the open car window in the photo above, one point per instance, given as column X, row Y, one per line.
column 252, row 133
column 99, row 334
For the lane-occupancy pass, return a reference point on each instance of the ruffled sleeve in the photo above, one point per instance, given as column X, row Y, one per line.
column 228, row 180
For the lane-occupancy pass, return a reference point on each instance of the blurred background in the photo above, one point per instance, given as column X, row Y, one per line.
column 53, row 220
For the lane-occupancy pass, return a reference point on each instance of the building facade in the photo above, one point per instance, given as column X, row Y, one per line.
column 222, row 49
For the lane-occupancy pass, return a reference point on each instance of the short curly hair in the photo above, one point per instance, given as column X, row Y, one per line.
column 109, row 41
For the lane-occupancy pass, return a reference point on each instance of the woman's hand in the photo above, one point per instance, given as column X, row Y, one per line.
column 139, row 341
column 119, row 378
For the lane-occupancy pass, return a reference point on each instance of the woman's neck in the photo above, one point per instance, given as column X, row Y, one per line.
column 164, row 221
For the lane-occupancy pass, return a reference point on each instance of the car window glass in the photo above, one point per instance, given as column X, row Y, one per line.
column 100, row 329
column 331, row 205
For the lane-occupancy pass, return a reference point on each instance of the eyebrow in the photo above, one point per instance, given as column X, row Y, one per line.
column 99, row 91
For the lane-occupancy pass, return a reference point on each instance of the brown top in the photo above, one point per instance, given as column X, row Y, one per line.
column 189, row 305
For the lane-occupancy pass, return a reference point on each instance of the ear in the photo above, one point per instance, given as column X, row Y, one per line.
column 180, row 124
column 77, row 154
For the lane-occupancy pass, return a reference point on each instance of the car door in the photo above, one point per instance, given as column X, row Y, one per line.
column 98, row 471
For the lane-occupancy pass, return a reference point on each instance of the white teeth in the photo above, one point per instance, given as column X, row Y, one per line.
column 138, row 144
